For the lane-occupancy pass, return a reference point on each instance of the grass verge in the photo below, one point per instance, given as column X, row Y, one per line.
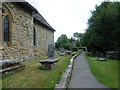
column 105, row 71
column 33, row 77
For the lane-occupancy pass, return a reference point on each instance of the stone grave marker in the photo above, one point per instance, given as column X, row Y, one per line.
column 51, row 51
column 50, row 63
column 68, row 52
column 62, row 50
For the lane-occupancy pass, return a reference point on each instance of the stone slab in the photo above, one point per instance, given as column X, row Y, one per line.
column 102, row 59
column 49, row 64
column 49, row 61
column 11, row 69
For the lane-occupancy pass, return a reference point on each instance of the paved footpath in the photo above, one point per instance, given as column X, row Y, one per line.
column 82, row 76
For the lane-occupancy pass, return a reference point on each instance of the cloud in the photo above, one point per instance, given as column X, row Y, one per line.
column 66, row 16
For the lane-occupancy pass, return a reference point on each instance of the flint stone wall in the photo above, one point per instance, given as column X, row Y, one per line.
column 21, row 45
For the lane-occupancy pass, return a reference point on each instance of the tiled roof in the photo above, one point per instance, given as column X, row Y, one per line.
column 41, row 19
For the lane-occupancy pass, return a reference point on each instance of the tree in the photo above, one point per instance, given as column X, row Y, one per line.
column 77, row 36
column 103, row 31
column 63, row 42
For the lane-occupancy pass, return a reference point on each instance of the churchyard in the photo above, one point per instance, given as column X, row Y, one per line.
column 34, row 77
column 106, row 72
column 40, row 73
column 101, row 40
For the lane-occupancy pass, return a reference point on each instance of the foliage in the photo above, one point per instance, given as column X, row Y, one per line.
column 77, row 36
column 63, row 42
column 76, row 39
column 103, row 31
column 105, row 71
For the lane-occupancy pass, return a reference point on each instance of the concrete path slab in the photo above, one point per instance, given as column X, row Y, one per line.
column 82, row 76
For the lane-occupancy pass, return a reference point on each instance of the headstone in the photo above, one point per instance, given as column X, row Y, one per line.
column 62, row 51
column 68, row 52
column 113, row 55
column 50, row 63
column 51, row 51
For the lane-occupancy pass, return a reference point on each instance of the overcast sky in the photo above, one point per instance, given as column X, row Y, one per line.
column 66, row 16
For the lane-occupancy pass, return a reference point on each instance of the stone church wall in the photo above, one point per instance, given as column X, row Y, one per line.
column 44, row 37
column 21, row 45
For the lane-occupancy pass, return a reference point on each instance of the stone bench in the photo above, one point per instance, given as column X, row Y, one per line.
column 49, row 64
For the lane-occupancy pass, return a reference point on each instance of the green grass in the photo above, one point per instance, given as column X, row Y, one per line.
column 33, row 77
column 105, row 71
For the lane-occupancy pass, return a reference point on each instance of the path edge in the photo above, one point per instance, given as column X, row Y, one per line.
column 65, row 79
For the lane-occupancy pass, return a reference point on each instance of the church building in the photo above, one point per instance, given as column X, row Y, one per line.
column 24, row 33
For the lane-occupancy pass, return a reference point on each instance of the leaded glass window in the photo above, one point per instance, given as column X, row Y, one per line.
column 6, row 29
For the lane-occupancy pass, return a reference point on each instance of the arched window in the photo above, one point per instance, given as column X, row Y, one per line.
column 7, row 22
column 6, row 29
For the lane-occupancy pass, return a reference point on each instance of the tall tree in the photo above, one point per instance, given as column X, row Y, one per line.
column 103, row 28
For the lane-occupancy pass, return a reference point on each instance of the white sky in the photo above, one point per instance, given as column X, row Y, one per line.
column 66, row 16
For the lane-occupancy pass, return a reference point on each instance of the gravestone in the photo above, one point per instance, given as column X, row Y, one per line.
column 62, row 51
column 113, row 55
column 68, row 52
column 50, row 63
column 51, row 51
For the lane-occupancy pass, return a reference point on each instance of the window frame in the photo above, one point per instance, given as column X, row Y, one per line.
column 34, row 37
column 7, row 13
column 6, row 29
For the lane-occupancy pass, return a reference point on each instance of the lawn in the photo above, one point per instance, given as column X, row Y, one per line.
column 34, row 77
column 105, row 71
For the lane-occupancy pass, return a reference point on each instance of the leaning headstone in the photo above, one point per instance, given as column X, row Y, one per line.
column 51, row 51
